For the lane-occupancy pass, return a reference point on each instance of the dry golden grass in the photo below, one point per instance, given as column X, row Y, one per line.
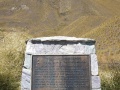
column 82, row 25
column 97, row 19
column 112, row 6
column 12, row 49
column 107, row 36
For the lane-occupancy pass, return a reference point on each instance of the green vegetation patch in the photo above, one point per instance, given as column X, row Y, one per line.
column 11, row 55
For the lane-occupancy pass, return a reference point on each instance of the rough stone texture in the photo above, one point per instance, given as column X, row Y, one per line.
column 27, row 62
column 67, row 49
column 59, row 49
column 26, row 79
column 30, row 48
column 97, row 89
column 79, row 48
column 64, row 38
column 46, row 48
column 56, row 48
column 96, row 82
column 39, row 48
column 62, row 45
column 94, row 64
column 89, row 49
column 49, row 49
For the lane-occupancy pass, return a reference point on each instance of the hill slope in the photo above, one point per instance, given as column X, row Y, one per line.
column 98, row 19
column 42, row 15
column 24, row 19
column 107, row 36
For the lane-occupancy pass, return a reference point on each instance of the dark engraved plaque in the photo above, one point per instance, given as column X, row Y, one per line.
column 61, row 72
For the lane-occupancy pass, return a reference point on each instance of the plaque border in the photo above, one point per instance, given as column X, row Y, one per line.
column 89, row 57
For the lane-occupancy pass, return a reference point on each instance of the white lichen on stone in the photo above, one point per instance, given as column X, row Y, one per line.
column 78, row 48
column 62, row 45
column 97, row 89
column 94, row 64
column 67, row 49
column 96, row 82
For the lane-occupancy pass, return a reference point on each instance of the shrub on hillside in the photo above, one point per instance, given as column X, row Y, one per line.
column 11, row 55
column 110, row 78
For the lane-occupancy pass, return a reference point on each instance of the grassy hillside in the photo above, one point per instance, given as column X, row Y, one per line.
column 107, row 36
column 45, row 15
column 23, row 19
column 12, row 48
column 82, row 25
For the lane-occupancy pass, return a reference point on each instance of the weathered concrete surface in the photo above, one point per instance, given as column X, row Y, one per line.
column 96, row 82
column 97, row 89
column 94, row 64
column 64, row 38
column 78, row 45
column 61, row 45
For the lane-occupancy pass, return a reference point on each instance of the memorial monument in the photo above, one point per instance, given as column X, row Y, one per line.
column 60, row 63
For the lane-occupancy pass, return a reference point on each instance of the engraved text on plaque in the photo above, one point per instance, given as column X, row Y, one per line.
column 61, row 72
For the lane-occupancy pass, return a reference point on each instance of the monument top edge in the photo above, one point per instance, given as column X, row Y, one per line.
column 61, row 38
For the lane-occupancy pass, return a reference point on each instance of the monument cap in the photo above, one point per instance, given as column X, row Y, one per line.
column 61, row 38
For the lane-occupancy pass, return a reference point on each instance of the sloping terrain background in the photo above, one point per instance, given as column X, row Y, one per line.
column 98, row 19
column 23, row 19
